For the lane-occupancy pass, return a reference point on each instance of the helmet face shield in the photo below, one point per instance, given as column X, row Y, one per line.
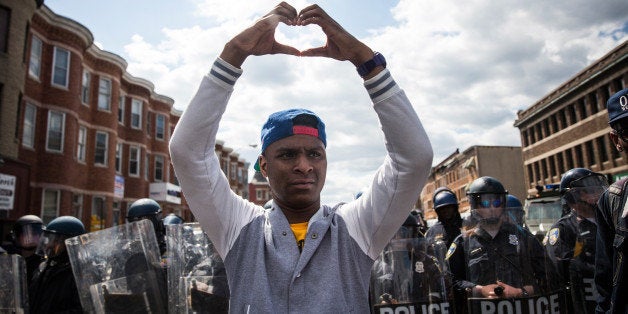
column 487, row 208
column 587, row 189
column 51, row 244
column 27, row 236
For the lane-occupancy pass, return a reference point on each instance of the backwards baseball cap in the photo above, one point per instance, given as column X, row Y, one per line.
column 290, row 122
column 617, row 106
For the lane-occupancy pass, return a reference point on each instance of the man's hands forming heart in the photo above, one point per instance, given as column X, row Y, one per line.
column 259, row 39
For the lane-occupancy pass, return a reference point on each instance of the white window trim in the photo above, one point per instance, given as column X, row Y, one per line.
column 121, row 108
column 35, row 58
column 85, row 84
column 135, row 101
column 163, row 168
column 163, row 129
column 54, row 67
column 43, row 203
column 62, row 131
column 81, row 144
column 33, row 125
column 107, row 94
column 119, row 154
column 138, row 160
column 106, row 152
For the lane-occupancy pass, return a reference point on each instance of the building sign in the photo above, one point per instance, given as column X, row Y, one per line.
column 118, row 187
column 164, row 191
column 619, row 176
column 7, row 191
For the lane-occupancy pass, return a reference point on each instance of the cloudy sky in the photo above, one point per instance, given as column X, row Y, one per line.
column 467, row 66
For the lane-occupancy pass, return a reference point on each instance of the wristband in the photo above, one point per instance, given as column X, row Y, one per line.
column 368, row 66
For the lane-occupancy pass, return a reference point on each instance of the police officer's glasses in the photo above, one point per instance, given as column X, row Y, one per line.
column 487, row 201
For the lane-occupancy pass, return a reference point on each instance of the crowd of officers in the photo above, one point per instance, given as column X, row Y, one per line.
column 456, row 265
column 488, row 262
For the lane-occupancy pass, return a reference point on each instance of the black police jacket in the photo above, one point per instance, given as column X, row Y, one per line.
column 514, row 256
column 53, row 289
column 612, row 249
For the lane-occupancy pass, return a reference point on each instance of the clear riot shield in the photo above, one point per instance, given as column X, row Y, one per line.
column 118, row 270
column 13, row 288
column 411, row 277
column 197, row 281
column 510, row 272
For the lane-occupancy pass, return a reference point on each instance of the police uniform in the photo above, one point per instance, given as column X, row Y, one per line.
column 53, row 289
column 571, row 245
column 440, row 232
column 513, row 257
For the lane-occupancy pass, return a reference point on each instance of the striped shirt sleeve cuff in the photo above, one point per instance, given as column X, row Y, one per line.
column 224, row 73
column 381, row 86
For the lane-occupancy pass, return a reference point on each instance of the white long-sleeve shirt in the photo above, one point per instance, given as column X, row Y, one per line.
column 265, row 270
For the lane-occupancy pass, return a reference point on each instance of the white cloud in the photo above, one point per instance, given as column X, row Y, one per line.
column 466, row 67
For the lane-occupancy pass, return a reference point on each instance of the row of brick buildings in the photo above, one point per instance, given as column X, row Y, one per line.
column 79, row 135
column 565, row 129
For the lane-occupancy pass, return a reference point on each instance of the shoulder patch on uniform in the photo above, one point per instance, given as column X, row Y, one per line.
column 451, row 250
column 552, row 236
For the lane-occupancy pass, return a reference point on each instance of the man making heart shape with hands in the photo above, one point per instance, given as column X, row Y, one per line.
column 299, row 256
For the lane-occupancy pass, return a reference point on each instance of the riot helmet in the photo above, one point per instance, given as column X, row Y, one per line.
column 487, row 197
column 581, row 188
column 146, row 208
column 52, row 241
column 268, row 204
column 446, row 207
column 409, row 229
column 514, row 210
column 172, row 219
column 26, row 232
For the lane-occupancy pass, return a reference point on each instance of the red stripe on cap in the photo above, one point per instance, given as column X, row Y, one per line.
column 301, row 129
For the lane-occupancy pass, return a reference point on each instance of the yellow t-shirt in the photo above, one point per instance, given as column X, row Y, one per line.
column 300, row 231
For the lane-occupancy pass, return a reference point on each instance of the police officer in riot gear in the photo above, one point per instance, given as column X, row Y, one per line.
column 496, row 259
column 407, row 272
column 570, row 242
column 514, row 211
column 172, row 219
column 449, row 220
column 25, row 236
column 53, row 288
column 146, row 208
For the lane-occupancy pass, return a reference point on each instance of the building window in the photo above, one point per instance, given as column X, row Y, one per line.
column 579, row 156
column 97, row 221
column 80, row 147
column 136, row 114
column 134, row 161
column 77, row 205
column 119, row 158
column 60, row 67
column 601, row 144
column 56, row 126
column 590, row 152
column 49, row 205
column 28, row 134
column 568, row 154
column 100, row 152
column 233, row 172
column 160, row 126
column 121, row 109
column 149, row 119
column 34, row 64
column 85, row 87
column 561, row 167
column 146, row 165
column 5, row 22
column 159, row 168
column 104, row 94
column 115, row 219
column 260, row 194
